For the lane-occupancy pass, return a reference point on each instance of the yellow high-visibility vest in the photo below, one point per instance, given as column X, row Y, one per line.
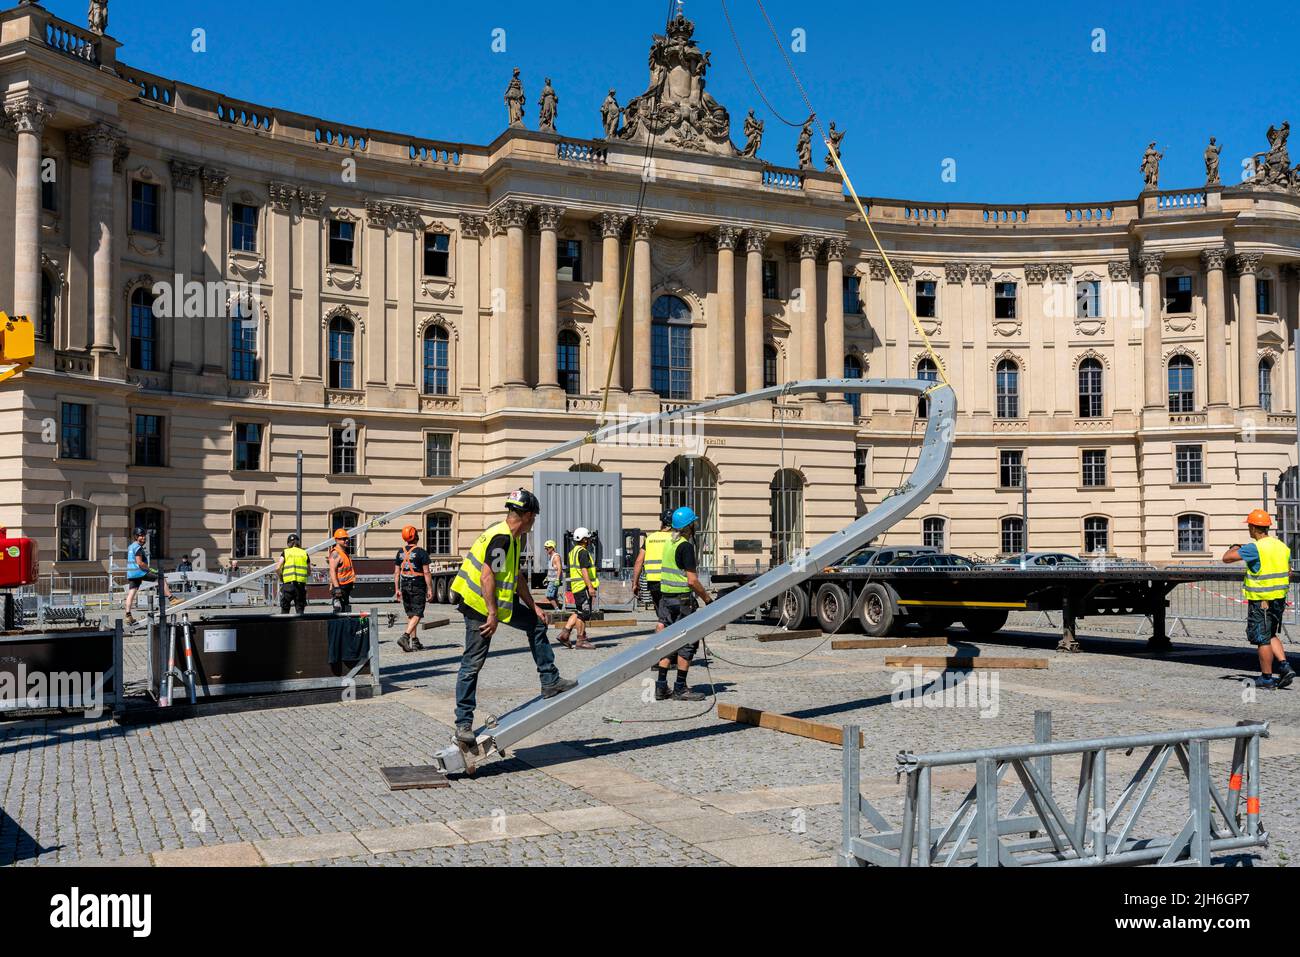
column 296, row 565
column 1274, row 575
column 577, row 584
column 469, row 580
column 654, row 551
column 674, row 579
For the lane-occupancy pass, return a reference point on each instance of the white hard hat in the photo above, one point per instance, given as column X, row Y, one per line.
column 580, row 533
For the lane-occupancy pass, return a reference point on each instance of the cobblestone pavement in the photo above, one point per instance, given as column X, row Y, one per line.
column 624, row 780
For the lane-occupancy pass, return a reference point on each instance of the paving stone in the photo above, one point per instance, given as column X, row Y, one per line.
column 717, row 826
column 386, row 840
column 757, row 851
column 500, row 829
column 310, row 848
column 242, row 854
column 588, row 819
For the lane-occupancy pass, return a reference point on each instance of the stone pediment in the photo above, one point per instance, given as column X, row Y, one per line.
column 778, row 326
column 574, row 306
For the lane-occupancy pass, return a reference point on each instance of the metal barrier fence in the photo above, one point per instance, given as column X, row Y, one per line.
column 1051, row 837
column 109, row 591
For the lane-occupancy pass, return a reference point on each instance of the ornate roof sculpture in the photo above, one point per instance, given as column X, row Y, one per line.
column 1272, row 169
column 675, row 108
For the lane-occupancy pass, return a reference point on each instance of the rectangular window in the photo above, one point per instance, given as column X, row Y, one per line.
column 568, row 260
column 1096, row 536
column 342, row 238
column 1011, row 468
column 49, row 185
column 144, row 207
column 1191, row 533
column 862, row 466
column 248, row 447
column 1004, row 300
column 1178, row 294
column 1087, row 302
column 437, row 255
column 149, row 440
column 853, row 295
column 243, row 228
column 1264, row 297
column 1094, row 468
column 74, row 437
column 343, row 451
column 1189, row 465
column 771, row 288
column 925, row 299
column 1013, row 536
column 437, row 454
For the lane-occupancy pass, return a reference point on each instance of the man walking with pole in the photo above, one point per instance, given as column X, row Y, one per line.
column 490, row 592
column 1268, row 578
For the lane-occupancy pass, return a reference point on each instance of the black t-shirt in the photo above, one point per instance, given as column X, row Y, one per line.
column 584, row 559
column 419, row 559
column 686, row 556
column 497, row 550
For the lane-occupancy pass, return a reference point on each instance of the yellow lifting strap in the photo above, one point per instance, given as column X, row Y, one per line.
column 17, row 345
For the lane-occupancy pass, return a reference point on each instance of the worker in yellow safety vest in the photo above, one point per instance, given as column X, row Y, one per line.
column 649, row 561
column 294, row 567
column 1268, row 579
column 680, row 586
column 583, row 583
column 489, row 592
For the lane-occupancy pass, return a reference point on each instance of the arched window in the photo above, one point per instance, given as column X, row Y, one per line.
column 437, row 361
column 45, row 328
column 927, row 370
column 343, row 356
column 769, row 366
column 248, row 534
column 1191, row 533
column 1182, row 384
column 144, row 331
column 568, row 362
column 585, row 467
column 691, row 480
column 151, row 520
column 243, row 341
column 1013, row 535
column 1266, row 384
column 1096, row 535
column 787, row 515
column 74, row 534
column 934, row 533
column 1008, row 383
column 437, row 533
column 344, row 518
column 670, row 348
column 853, row 370
column 1091, row 398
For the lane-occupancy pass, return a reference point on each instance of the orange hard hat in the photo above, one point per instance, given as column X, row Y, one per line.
column 409, row 534
column 340, row 534
column 1259, row 517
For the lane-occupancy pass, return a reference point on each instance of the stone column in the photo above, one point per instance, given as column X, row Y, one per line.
column 725, row 238
column 371, row 256
column 187, row 332
column 467, row 277
column 103, row 141
column 311, row 336
column 1216, row 334
column 611, row 288
column 1248, row 330
column 755, row 243
column 807, row 247
column 215, row 332
column 835, row 250
column 1154, row 394
column 548, row 328
column 515, row 343
column 642, row 228
column 28, row 114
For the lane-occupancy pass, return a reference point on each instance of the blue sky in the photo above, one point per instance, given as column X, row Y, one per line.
column 1013, row 92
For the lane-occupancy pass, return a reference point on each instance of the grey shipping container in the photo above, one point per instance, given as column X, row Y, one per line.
column 593, row 500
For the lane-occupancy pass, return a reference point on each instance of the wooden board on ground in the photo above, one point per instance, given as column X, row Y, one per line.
column 829, row 733
column 613, row 623
column 789, row 635
column 414, row 777
column 435, row 623
column 842, row 644
column 961, row 664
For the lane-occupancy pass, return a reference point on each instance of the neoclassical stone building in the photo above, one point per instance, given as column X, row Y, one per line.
column 218, row 285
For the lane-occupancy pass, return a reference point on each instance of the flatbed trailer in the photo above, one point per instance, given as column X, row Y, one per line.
column 882, row 600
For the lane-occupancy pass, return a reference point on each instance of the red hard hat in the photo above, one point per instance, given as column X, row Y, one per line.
column 1259, row 517
column 409, row 534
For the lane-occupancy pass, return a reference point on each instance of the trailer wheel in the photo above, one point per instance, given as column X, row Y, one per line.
column 986, row 621
column 876, row 611
column 440, row 590
column 793, row 608
column 832, row 607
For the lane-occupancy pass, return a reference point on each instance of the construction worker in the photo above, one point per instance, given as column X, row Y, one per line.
column 649, row 560
column 679, row 587
column 583, row 583
column 409, row 568
column 139, row 571
column 554, row 574
column 490, row 592
column 342, row 575
column 294, row 567
column 1268, row 577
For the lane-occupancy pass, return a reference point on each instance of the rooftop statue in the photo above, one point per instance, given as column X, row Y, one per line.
column 97, row 16
column 753, row 135
column 836, row 139
column 1151, row 167
column 610, row 115
column 1273, row 168
column 549, row 107
column 675, row 108
column 515, row 100
column 1212, row 163
column 803, row 145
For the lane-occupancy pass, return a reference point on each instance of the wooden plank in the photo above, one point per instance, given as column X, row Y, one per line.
column 961, row 664
column 616, row 623
column 789, row 635
column 842, row 644
column 829, row 733
column 435, row 623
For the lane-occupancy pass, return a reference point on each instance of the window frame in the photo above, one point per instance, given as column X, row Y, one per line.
column 335, row 449
column 429, row 532
column 1194, row 518
column 1004, row 307
column 86, row 530
column 931, row 309
column 237, row 552
column 774, row 278
column 1199, row 460
column 1084, row 467
column 262, row 450
column 1085, row 302
column 1178, row 294
column 243, row 227
column 435, row 332
column 160, row 439
column 331, row 239
column 86, row 427
column 666, row 378
column 572, row 262
column 569, row 377
column 1187, row 397
column 927, row 532
column 1003, row 465
column 140, row 205
column 452, row 452
column 1004, row 530
column 862, row 467
column 1105, row 531
column 154, row 339
column 1099, row 395
column 1007, row 389
column 445, row 254
column 1264, row 372
column 350, row 363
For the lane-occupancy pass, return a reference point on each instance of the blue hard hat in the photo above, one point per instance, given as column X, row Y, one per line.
column 683, row 517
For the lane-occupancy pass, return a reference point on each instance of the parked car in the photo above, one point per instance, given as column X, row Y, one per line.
column 934, row 561
column 1042, row 560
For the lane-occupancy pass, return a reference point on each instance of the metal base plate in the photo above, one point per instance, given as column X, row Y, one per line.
column 413, row 777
